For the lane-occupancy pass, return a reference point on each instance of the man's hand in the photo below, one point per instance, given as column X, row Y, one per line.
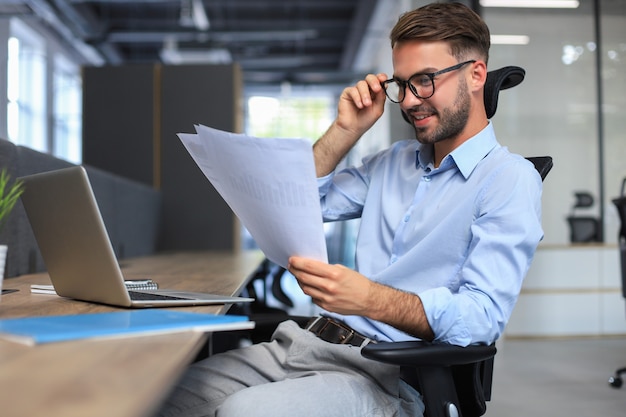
column 341, row 290
column 360, row 106
column 333, row 287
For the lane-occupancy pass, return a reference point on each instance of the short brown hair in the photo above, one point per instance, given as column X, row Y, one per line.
column 463, row 29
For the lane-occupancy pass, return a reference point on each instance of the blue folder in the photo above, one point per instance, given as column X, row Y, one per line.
column 48, row 329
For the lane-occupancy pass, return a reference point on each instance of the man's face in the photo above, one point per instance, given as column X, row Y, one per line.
column 445, row 114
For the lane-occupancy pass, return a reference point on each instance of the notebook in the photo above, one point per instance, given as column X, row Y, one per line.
column 76, row 249
column 48, row 329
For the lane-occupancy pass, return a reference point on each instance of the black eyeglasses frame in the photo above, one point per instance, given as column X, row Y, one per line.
column 404, row 83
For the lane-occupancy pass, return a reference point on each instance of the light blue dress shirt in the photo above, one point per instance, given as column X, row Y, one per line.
column 461, row 236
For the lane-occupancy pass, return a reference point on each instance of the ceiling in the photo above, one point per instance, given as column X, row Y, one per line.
column 300, row 41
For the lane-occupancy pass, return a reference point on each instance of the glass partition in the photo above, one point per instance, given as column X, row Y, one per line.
column 554, row 111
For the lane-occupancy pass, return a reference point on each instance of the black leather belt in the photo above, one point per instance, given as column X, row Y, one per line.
column 332, row 331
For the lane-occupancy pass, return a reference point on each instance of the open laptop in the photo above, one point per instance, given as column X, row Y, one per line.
column 76, row 248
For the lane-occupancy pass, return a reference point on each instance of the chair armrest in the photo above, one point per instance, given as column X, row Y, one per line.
column 419, row 353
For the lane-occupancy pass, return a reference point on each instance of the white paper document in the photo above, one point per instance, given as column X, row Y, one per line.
column 270, row 184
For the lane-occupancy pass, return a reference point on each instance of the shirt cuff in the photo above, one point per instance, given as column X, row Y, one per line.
column 444, row 317
column 324, row 183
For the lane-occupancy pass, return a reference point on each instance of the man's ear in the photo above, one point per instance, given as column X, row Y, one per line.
column 479, row 75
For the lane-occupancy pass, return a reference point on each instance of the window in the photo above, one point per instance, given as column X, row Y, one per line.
column 26, row 88
column 67, row 111
column 293, row 116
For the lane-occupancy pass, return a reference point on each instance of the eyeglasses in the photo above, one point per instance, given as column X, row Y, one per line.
column 422, row 84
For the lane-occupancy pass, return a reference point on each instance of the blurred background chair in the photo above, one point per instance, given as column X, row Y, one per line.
column 583, row 229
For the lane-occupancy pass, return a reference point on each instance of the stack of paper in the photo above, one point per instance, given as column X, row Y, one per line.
column 270, row 184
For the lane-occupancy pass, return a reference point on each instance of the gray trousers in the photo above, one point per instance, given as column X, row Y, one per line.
column 296, row 374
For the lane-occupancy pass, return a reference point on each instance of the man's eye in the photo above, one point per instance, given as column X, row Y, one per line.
column 421, row 81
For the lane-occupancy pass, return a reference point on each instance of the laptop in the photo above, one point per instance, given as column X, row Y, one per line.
column 76, row 248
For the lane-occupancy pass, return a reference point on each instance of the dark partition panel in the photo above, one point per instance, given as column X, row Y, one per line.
column 131, row 117
column 118, row 120
column 194, row 214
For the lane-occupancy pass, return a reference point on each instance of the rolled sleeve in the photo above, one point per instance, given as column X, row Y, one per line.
column 324, row 183
column 445, row 318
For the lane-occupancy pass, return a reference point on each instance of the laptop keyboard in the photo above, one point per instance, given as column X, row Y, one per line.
column 142, row 296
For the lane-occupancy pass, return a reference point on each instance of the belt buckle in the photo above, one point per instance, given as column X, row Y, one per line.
column 343, row 339
column 313, row 322
column 351, row 334
column 328, row 322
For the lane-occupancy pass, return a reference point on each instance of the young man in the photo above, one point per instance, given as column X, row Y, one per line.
column 449, row 225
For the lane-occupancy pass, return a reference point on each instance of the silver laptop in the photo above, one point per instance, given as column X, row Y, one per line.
column 76, row 248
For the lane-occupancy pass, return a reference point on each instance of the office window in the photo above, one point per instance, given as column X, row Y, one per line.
column 299, row 116
column 67, row 111
column 26, row 88
column 300, row 113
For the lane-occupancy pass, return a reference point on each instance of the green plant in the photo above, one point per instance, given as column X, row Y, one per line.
column 9, row 194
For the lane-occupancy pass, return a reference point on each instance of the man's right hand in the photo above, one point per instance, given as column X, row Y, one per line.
column 360, row 106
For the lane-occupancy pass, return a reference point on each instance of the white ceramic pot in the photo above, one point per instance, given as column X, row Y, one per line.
column 3, row 258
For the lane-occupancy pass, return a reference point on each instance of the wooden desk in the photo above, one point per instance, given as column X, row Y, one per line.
column 124, row 377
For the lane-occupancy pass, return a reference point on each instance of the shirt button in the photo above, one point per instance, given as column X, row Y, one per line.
column 406, row 218
column 427, row 179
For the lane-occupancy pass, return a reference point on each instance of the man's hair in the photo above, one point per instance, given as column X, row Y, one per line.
column 458, row 25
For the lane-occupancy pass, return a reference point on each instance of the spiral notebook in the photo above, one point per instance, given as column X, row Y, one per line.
column 131, row 284
column 76, row 249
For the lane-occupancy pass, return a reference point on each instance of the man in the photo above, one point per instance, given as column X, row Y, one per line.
column 449, row 225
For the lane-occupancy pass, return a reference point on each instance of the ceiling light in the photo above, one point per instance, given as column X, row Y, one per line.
column 200, row 56
column 170, row 54
column 200, row 19
column 192, row 14
column 509, row 39
column 550, row 4
column 188, row 36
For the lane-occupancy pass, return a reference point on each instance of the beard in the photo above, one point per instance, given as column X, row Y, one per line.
column 452, row 120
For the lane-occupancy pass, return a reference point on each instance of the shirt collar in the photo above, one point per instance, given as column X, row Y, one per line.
column 466, row 156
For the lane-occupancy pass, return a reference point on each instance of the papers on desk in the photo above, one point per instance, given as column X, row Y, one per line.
column 270, row 184
column 48, row 329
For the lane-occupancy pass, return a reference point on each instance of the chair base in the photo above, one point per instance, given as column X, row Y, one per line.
column 616, row 380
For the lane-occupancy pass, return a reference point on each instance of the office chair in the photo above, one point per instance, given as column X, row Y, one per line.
column 616, row 380
column 265, row 316
column 454, row 381
column 583, row 229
